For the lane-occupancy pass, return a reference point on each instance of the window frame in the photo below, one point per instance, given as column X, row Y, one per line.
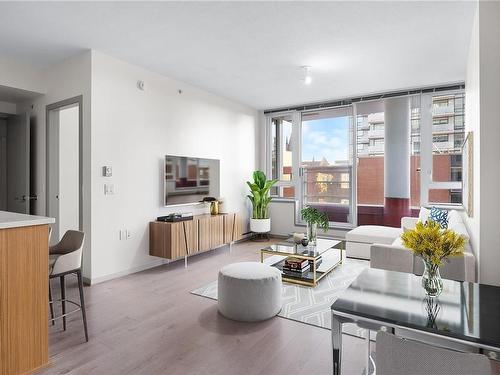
column 269, row 160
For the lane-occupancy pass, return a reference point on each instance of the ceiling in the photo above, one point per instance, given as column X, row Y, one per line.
column 251, row 52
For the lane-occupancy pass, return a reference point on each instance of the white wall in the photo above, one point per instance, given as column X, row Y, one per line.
column 489, row 48
column 132, row 130
column 66, row 80
column 472, row 123
column 21, row 76
column 483, row 96
column 9, row 108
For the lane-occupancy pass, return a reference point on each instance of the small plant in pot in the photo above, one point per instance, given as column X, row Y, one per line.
column 314, row 219
column 260, row 198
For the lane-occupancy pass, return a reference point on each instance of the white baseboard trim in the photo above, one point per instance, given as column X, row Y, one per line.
column 155, row 263
column 129, row 271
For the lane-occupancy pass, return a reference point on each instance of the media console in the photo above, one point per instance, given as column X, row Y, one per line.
column 175, row 240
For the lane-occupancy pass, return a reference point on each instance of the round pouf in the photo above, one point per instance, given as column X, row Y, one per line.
column 249, row 291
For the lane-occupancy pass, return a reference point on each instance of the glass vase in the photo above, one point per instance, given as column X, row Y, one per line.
column 312, row 232
column 431, row 279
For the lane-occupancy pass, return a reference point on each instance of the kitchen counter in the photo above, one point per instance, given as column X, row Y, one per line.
column 15, row 220
column 24, row 275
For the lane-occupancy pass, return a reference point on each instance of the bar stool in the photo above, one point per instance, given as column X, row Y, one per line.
column 66, row 258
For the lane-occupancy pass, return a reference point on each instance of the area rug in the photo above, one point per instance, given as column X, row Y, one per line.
column 311, row 305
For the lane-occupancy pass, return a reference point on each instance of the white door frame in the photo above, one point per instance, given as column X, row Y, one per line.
column 54, row 106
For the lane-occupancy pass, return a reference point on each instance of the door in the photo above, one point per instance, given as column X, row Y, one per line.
column 63, row 169
column 18, row 163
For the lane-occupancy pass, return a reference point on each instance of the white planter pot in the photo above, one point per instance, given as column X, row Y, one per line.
column 260, row 225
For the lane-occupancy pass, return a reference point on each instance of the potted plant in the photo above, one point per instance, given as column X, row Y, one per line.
column 434, row 245
column 260, row 198
column 314, row 219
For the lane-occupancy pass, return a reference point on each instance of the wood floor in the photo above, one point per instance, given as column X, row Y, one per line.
column 149, row 323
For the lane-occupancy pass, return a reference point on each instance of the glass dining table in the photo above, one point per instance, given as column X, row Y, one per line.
column 466, row 314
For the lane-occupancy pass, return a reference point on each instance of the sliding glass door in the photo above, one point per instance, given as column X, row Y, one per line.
column 326, row 168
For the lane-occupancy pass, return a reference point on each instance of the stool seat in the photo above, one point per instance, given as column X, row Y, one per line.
column 249, row 291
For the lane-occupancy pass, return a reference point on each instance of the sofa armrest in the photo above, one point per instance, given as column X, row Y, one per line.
column 408, row 222
column 460, row 268
column 391, row 258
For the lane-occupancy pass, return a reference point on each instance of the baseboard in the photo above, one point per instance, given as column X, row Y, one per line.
column 129, row 271
column 156, row 263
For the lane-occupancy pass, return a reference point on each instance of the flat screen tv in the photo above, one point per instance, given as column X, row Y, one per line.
column 188, row 180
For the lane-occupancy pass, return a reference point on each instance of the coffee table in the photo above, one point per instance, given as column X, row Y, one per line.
column 329, row 250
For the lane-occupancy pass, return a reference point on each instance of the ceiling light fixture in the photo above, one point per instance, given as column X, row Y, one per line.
column 307, row 74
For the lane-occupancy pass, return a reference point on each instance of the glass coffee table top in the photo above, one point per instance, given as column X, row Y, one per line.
column 323, row 258
column 289, row 247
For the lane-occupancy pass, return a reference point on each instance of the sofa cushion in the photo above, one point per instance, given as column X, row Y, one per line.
column 460, row 228
column 440, row 216
column 423, row 215
column 373, row 234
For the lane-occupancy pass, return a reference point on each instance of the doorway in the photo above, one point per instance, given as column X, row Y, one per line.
column 64, row 166
column 15, row 163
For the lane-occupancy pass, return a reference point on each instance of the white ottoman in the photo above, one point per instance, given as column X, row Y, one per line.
column 360, row 239
column 249, row 291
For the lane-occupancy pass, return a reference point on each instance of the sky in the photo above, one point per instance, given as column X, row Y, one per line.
column 327, row 138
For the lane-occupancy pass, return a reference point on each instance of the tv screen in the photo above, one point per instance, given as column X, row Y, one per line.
column 189, row 180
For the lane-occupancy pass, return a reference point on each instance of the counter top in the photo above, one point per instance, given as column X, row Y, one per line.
column 15, row 220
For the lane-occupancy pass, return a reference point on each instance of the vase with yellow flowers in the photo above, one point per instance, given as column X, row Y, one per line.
column 434, row 245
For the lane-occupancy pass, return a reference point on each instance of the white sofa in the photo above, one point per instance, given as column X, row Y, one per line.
column 386, row 250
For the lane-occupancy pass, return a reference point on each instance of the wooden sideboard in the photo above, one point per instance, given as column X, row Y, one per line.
column 184, row 238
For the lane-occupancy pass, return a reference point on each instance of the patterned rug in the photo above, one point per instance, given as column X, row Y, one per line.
column 311, row 305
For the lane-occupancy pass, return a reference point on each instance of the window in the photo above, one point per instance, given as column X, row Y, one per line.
column 326, row 163
column 440, row 138
column 445, row 186
column 311, row 153
column 415, row 182
column 282, row 155
column 370, row 161
column 440, row 121
column 377, row 141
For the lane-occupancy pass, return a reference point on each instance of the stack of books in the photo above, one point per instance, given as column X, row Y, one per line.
column 318, row 262
column 296, row 267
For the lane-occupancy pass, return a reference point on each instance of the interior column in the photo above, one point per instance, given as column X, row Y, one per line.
column 397, row 160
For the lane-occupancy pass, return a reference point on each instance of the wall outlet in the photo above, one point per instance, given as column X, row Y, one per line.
column 109, row 189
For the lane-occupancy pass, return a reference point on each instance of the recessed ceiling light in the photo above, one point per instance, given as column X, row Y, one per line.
column 307, row 74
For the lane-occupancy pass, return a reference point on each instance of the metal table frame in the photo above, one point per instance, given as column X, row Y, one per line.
column 339, row 318
column 312, row 258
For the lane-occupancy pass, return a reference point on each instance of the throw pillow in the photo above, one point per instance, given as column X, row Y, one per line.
column 439, row 216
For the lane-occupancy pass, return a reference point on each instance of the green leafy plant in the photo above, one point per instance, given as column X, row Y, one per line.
column 259, row 190
column 313, row 216
column 432, row 243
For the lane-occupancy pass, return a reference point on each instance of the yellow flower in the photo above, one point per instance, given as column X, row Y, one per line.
column 432, row 243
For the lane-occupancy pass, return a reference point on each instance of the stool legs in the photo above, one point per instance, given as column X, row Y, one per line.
column 63, row 300
column 51, row 305
column 82, row 303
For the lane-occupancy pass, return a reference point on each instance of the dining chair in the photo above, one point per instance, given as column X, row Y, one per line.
column 400, row 356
